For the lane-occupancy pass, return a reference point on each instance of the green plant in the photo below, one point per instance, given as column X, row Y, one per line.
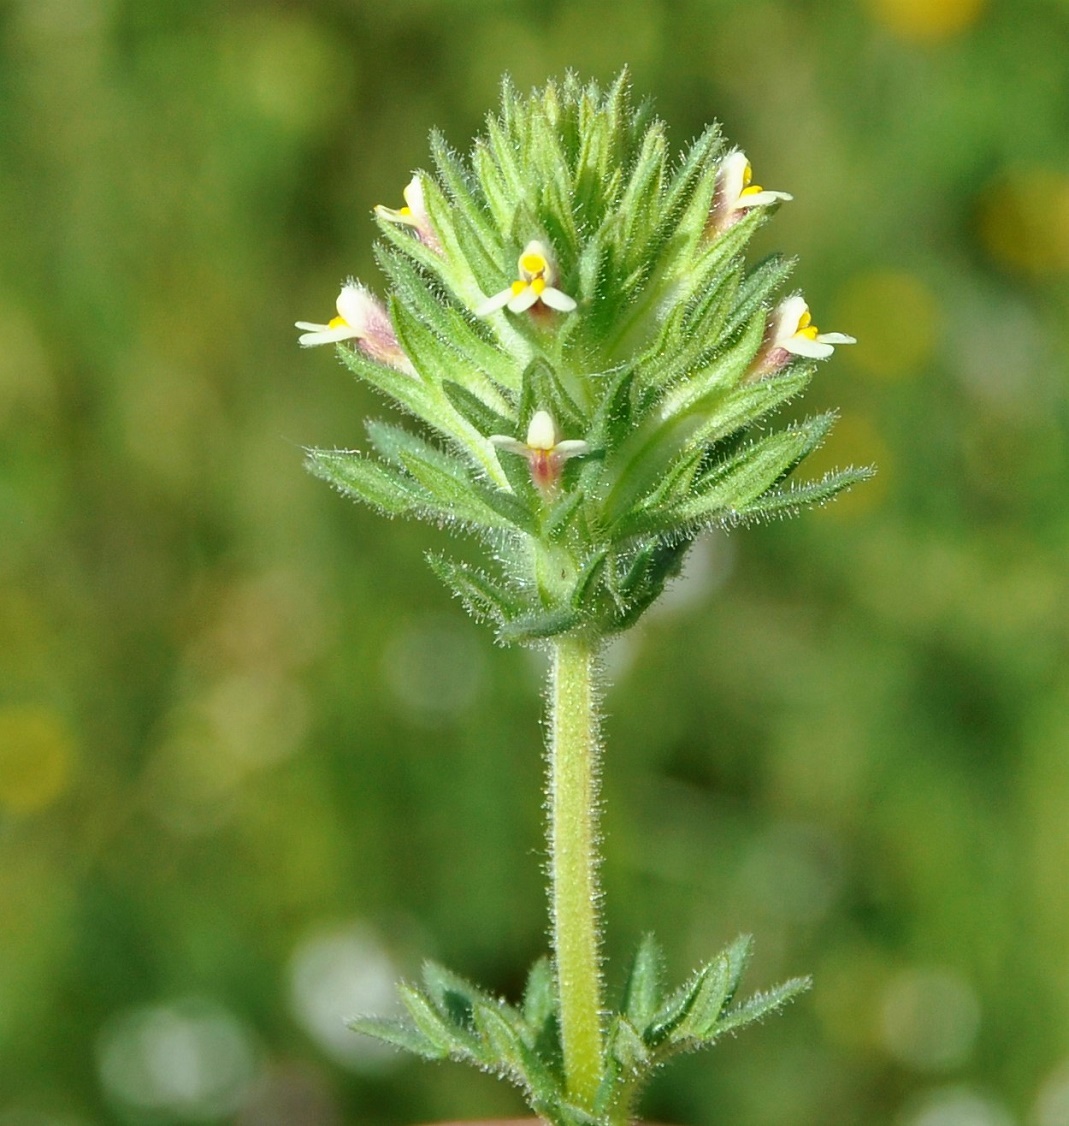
column 585, row 416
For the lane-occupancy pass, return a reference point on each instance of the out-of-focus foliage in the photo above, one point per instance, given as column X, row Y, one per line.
column 253, row 762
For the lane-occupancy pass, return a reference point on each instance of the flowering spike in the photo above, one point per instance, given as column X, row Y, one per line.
column 664, row 357
column 361, row 318
column 535, row 285
column 736, row 193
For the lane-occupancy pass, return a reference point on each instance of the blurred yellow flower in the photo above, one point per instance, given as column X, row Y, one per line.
column 926, row 21
column 896, row 317
column 36, row 756
column 1023, row 221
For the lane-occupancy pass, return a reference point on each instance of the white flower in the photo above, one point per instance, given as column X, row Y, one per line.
column 736, row 193
column 535, row 284
column 413, row 214
column 544, row 450
column 363, row 319
column 790, row 332
column 792, row 328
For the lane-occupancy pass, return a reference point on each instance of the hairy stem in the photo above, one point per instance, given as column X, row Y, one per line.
column 573, row 752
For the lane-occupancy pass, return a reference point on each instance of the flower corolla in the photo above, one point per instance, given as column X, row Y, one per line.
column 413, row 214
column 537, row 273
column 361, row 318
column 736, row 192
column 790, row 332
column 543, row 448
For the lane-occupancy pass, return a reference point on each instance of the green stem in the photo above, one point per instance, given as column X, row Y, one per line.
column 573, row 753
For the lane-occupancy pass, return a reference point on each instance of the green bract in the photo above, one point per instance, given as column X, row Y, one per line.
column 571, row 277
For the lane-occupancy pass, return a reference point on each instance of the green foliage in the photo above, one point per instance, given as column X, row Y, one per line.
column 449, row 1018
column 661, row 370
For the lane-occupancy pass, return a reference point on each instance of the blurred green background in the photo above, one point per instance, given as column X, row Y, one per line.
column 254, row 763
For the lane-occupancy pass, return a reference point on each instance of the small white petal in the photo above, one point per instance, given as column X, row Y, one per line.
column 357, row 307
column 413, row 196
column 557, row 300
column 760, row 199
column 542, row 431
column 393, row 215
column 573, row 447
column 811, row 349
column 523, row 300
column 310, row 327
column 325, row 335
column 732, row 176
column 492, row 304
column 512, row 445
column 785, row 318
column 836, row 338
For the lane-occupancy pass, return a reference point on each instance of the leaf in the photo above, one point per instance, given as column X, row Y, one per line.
column 484, row 417
column 472, row 249
column 626, row 1046
column 539, row 626
column 509, row 506
column 757, row 289
column 486, row 367
column 432, row 1023
column 543, row 390
column 692, row 1012
column 640, row 464
column 401, row 387
column 714, row 989
column 453, row 995
column 787, row 502
column 448, row 489
column 718, row 253
column 503, row 1044
column 639, row 203
column 726, row 411
column 540, row 994
column 591, row 571
column 725, row 371
column 398, row 1034
column 612, row 419
column 483, row 598
column 642, row 992
column 456, row 495
column 652, row 566
column 739, row 481
column 561, row 515
column 761, row 1004
column 357, row 476
column 692, row 186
